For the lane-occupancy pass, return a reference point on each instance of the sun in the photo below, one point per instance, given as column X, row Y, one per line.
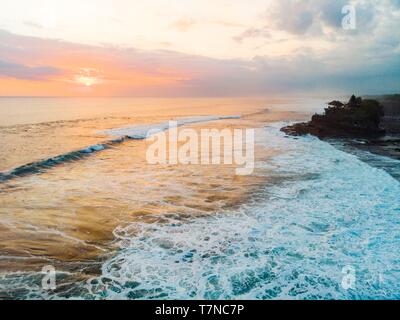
column 88, row 77
column 86, row 81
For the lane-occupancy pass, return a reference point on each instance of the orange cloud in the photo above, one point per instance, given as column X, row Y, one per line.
column 40, row 67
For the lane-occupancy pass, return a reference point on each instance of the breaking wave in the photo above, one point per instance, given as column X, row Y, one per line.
column 141, row 132
column 323, row 210
column 327, row 210
column 128, row 133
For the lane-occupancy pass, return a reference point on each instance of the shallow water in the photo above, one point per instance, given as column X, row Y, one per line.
column 115, row 227
column 325, row 210
column 39, row 128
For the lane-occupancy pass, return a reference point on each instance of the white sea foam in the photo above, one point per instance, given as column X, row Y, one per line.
column 326, row 211
column 141, row 131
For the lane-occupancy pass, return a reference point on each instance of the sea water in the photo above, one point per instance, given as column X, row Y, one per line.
column 327, row 212
column 320, row 224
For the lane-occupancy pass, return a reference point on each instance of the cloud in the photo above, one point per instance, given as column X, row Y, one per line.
column 330, row 12
column 225, row 23
column 19, row 71
column 33, row 24
column 367, row 66
column 395, row 3
column 252, row 33
column 183, row 24
column 295, row 17
column 318, row 18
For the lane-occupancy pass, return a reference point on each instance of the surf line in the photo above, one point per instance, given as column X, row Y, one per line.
column 43, row 165
column 125, row 134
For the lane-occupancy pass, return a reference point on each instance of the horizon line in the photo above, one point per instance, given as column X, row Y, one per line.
column 281, row 95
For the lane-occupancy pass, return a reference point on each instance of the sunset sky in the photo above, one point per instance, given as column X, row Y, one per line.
column 197, row 48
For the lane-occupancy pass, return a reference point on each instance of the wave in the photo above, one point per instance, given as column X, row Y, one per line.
column 325, row 210
column 126, row 133
column 330, row 211
column 42, row 165
column 141, row 132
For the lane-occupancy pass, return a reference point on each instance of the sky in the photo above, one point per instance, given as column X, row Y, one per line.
column 196, row 48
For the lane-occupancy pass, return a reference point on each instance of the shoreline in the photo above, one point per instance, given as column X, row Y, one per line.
column 366, row 124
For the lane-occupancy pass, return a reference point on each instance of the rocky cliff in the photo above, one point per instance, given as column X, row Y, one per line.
column 356, row 118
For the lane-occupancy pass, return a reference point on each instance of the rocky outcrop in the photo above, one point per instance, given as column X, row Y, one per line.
column 357, row 118
column 391, row 104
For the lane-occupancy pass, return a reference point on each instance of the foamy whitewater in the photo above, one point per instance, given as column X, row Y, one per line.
column 323, row 210
column 327, row 210
column 141, row 132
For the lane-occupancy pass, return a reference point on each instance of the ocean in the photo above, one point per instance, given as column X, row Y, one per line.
column 314, row 220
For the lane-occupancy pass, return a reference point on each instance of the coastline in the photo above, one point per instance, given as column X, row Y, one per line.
column 215, row 232
column 368, row 125
column 289, row 240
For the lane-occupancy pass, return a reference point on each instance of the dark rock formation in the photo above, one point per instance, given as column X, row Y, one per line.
column 336, row 103
column 391, row 104
column 357, row 118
